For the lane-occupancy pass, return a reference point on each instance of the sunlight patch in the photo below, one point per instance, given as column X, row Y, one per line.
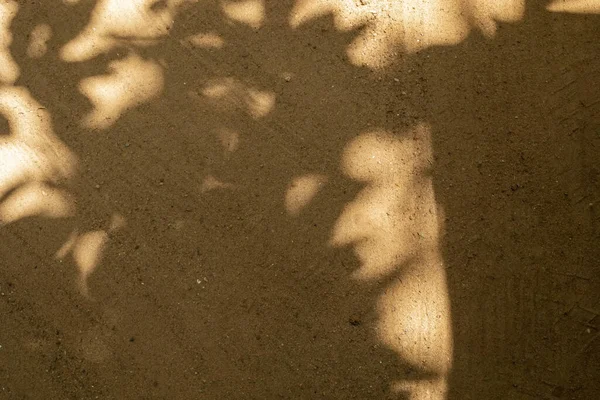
column 132, row 81
column 9, row 70
column 206, row 40
column 38, row 40
column 302, row 191
column 36, row 200
column 212, row 183
column 260, row 103
column 415, row 316
column 31, row 153
column 393, row 218
column 307, row 10
column 230, row 140
column 249, row 12
column 575, row 6
column 116, row 20
column 219, row 88
column 486, row 14
column 408, row 26
column 393, row 225
column 87, row 253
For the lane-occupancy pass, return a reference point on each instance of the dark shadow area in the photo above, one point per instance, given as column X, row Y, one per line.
column 212, row 290
column 4, row 127
column 516, row 131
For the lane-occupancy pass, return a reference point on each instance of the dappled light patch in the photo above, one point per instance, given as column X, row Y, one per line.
column 87, row 254
column 394, row 227
column 230, row 139
column 393, row 218
column 259, row 102
column 250, row 12
column 213, row 183
column 33, row 200
column 9, row 70
column 302, row 191
column 31, row 153
column 219, row 88
column 388, row 26
column 206, row 40
column 132, row 81
column 575, row 6
column 486, row 14
column 231, row 95
column 113, row 21
column 306, row 10
column 38, row 41
column 415, row 321
column 87, row 250
column 407, row 26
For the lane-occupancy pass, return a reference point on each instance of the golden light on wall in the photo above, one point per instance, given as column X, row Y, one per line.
column 32, row 155
column 34, row 166
column 394, row 226
column 36, row 199
column 407, row 26
column 575, row 6
column 130, row 82
column 209, row 40
column 38, row 39
column 249, row 12
column 9, row 70
column 233, row 95
column 301, row 191
column 115, row 20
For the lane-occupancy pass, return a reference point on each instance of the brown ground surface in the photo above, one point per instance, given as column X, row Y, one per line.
column 213, row 291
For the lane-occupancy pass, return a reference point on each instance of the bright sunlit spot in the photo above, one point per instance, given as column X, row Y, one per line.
column 132, row 81
column 219, row 88
column 575, row 6
column 39, row 38
column 231, row 94
column 260, row 103
column 36, row 199
column 250, row 12
column 9, row 70
column 87, row 253
column 486, row 14
column 393, row 226
column 407, row 25
column 302, row 191
column 116, row 20
column 87, row 250
column 31, row 155
column 206, row 40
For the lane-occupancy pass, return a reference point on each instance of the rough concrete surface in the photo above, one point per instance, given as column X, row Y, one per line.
column 300, row 199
